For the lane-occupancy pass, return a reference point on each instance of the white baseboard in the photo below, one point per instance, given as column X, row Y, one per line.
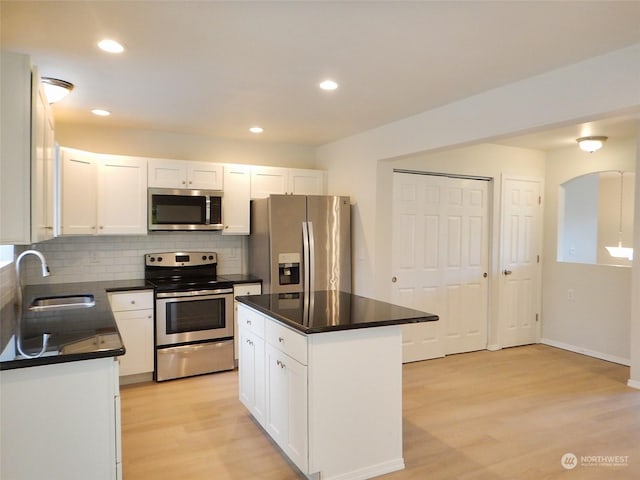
column 586, row 351
column 633, row 384
column 494, row 348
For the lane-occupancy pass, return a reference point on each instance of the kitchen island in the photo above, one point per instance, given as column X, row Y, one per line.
column 321, row 372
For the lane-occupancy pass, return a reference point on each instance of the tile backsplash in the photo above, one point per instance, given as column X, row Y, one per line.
column 98, row 258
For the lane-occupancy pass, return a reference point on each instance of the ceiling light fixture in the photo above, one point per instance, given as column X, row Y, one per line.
column 100, row 112
column 619, row 251
column 591, row 144
column 328, row 85
column 256, row 129
column 110, row 46
column 56, row 89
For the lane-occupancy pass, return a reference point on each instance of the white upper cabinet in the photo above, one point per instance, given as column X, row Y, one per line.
column 27, row 154
column 122, row 195
column 78, row 193
column 103, row 194
column 42, row 165
column 277, row 180
column 235, row 203
column 184, row 174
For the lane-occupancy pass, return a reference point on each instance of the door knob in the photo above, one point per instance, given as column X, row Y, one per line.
column 394, row 279
column 507, row 272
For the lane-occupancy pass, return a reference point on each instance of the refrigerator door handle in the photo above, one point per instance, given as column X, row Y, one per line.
column 312, row 259
column 305, row 256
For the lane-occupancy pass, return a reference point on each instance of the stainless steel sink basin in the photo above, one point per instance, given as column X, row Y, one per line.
column 62, row 302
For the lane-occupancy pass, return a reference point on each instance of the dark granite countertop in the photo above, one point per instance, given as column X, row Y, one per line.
column 76, row 334
column 327, row 311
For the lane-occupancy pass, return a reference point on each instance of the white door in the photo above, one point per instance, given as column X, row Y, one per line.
column 520, row 266
column 440, row 260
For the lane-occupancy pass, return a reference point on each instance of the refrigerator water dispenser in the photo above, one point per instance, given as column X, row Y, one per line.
column 289, row 268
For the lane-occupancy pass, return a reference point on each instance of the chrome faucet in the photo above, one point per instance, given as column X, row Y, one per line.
column 45, row 273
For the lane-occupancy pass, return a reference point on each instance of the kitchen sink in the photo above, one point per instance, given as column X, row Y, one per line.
column 62, row 302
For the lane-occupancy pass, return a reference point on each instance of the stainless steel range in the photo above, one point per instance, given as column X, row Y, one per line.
column 194, row 314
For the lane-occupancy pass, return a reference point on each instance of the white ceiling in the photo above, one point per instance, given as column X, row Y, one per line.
column 217, row 68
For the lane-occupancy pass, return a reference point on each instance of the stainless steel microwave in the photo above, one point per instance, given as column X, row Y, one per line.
column 184, row 209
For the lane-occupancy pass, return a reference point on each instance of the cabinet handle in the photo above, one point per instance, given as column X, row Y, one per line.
column 280, row 364
column 133, row 302
column 190, row 182
column 184, row 182
column 507, row 272
column 248, row 322
column 280, row 339
column 101, row 227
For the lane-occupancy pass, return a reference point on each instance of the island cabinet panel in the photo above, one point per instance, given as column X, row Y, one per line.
column 333, row 399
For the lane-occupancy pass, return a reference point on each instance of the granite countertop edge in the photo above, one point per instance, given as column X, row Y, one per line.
column 423, row 317
column 101, row 315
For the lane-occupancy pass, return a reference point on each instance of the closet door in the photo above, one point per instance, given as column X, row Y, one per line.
column 440, row 260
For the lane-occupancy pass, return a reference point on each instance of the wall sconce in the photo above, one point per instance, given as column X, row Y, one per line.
column 56, row 89
column 591, row 144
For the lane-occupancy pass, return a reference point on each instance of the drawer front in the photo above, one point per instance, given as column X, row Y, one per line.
column 251, row 320
column 287, row 341
column 247, row 289
column 131, row 301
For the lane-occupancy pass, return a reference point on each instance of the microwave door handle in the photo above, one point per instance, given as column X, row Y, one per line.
column 207, row 211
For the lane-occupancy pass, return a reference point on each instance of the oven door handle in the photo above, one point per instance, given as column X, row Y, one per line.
column 194, row 293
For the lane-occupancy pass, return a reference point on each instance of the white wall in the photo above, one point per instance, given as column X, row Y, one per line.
column 634, row 379
column 556, row 98
column 586, row 308
column 146, row 143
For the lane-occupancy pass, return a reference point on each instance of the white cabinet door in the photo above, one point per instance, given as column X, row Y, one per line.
column 268, row 180
column 167, row 174
column 78, row 193
column 286, row 407
column 136, row 330
column 183, row 174
column 133, row 312
column 235, row 203
column 122, row 195
column 42, row 165
column 251, row 374
column 204, row 176
column 306, row 182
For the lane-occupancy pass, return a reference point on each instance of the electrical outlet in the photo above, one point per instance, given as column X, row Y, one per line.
column 571, row 295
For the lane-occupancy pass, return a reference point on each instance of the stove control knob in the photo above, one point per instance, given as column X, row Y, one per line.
column 159, row 259
column 210, row 257
column 204, row 257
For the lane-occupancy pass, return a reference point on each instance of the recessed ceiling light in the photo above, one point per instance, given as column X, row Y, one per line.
column 256, row 129
column 101, row 113
column 110, row 46
column 328, row 85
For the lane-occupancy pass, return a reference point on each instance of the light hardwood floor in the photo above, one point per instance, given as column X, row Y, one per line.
column 510, row 414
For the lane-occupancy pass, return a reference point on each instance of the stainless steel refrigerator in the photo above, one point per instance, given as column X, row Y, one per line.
column 301, row 243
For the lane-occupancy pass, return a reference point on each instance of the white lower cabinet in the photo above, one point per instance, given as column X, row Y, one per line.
column 331, row 401
column 61, row 421
column 286, row 414
column 240, row 289
column 133, row 311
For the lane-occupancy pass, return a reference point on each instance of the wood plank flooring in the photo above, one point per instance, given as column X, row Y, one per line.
column 510, row 414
